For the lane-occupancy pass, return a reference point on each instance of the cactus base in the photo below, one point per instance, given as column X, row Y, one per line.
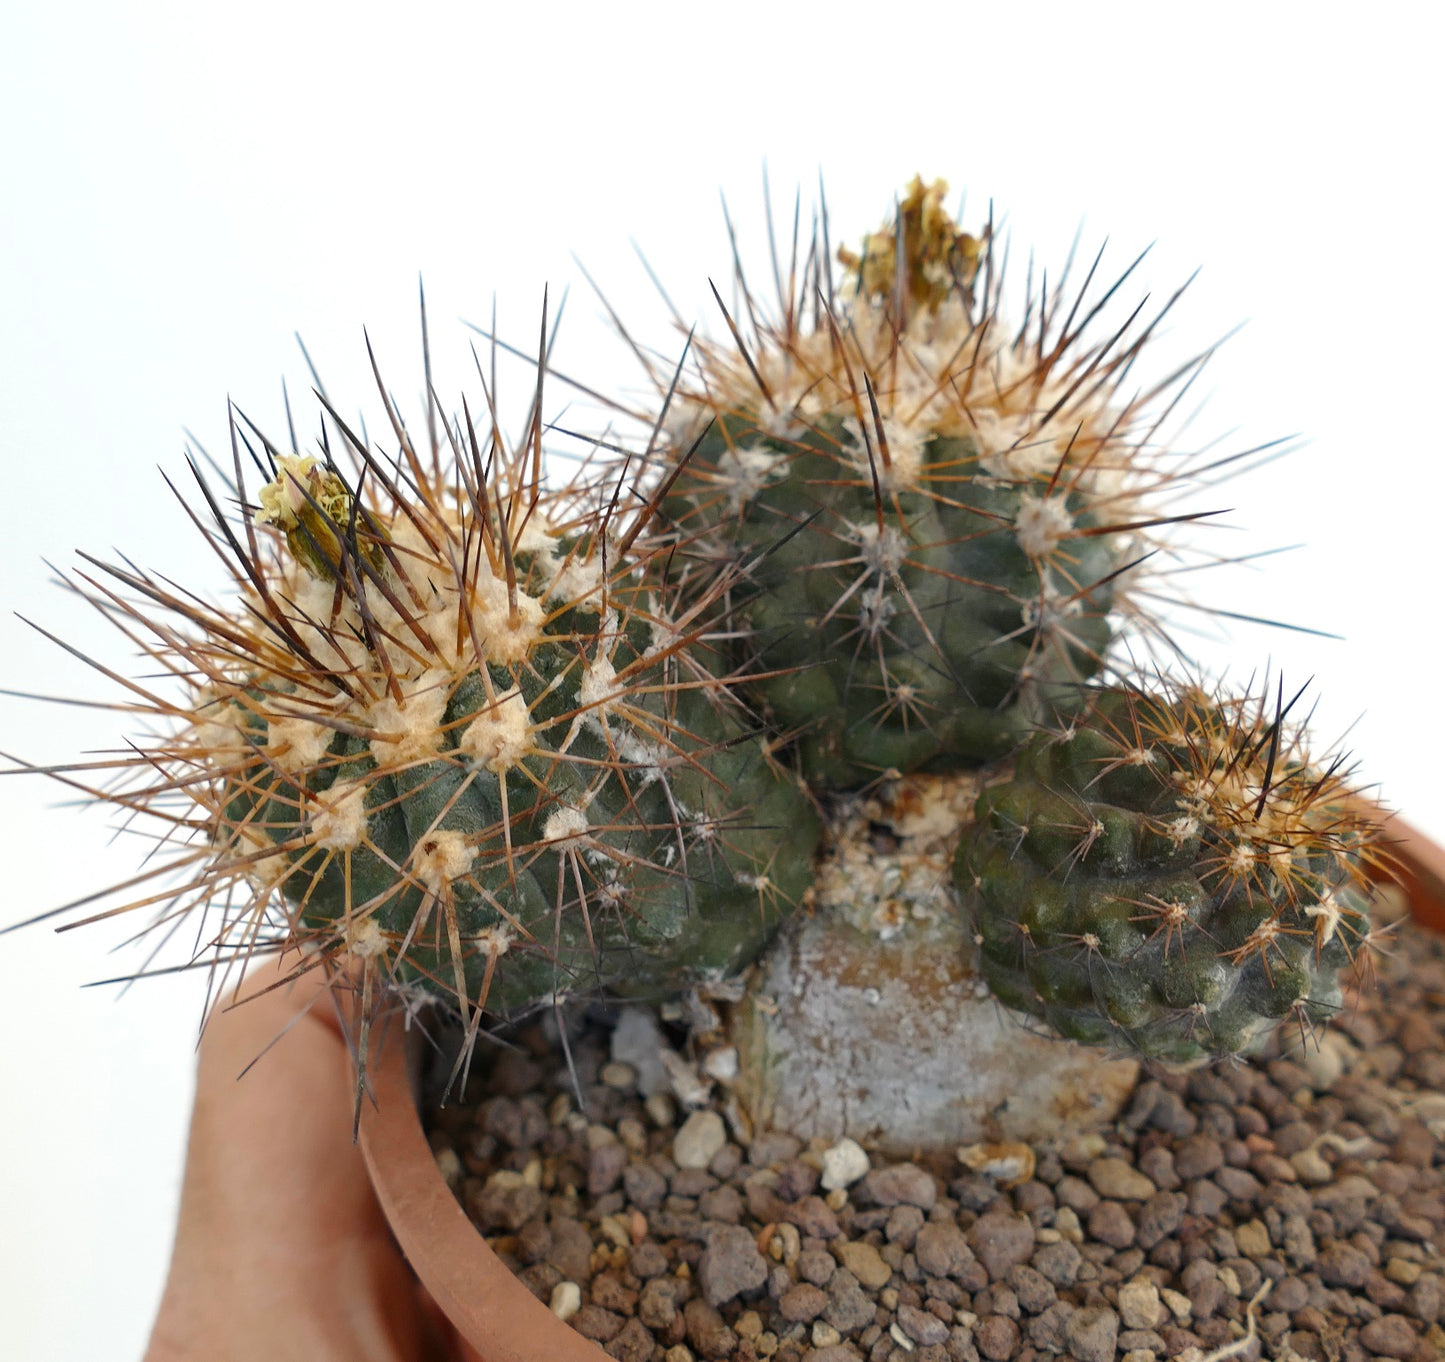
column 869, row 1018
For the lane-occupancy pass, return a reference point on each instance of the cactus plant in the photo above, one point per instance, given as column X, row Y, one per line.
column 458, row 735
column 1170, row 874
column 928, row 518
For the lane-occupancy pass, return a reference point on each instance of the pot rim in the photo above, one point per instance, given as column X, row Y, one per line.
column 489, row 1307
column 485, row 1302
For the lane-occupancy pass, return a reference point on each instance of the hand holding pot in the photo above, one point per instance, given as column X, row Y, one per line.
column 281, row 1252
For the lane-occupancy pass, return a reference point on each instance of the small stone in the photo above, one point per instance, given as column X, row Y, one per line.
column 1031, row 1289
column 1109, row 1223
column 849, row 1308
column 825, row 1335
column 600, row 1325
column 504, row 1202
column 999, row 1240
column 657, row 1305
column 922, row 1326
column 941, row 1249
column 661, row 1112
column 1342, row 1264
column 566, row 1300
column 1198, row 1157
column 865, row 1263
column 634, row 1344
column 997, row 1337
column 1091, row 1333
column 1389, row 1336
column 1160, row 1217
column 1310, row 1166
column 1179, row 1304
column 1059, row 1262
column 706, row 1331
column 843, row 1164
column 816, row 1265
column 700, row 1137
column 1139, row 1304
column 644, row 1185
column 903, row 1225
column 901, row 1184
column 730, row 1265
column 1121, row 1180
column 802, row 1304
column 1253, row 1239
column 1402, row 1270
column 604, row 1168
column 619, row 1075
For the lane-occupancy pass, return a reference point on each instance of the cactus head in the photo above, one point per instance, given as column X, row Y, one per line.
column 929, row 515
column 1171, row 875
column 458, row 737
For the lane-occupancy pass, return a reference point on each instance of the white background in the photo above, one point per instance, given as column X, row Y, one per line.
column 183, row 186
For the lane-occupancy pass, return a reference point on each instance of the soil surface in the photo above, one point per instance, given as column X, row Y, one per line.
column 1288, row 1207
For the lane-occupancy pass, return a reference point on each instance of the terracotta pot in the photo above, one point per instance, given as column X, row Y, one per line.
column 499, row 1319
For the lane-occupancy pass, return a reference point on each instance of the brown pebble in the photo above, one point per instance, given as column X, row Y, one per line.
column 921, row 1326
column 706, row 1331
column 593, row 1322
column 996, row 1337
column 633, row 1343
column 865, row 1263
column 801, row 1304
column 1110, row 1224
column 999, row 1240
column 1092, row 1333
column 900, row 1184
column 1389, row 1336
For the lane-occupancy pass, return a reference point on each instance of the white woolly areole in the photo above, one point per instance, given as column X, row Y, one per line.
column 566, row 826
column 900, row 469
column 340, row 823
column 500, row 736
column 1009, row 448
column 296, row 744
column 598, row 687
column 221, row 738
column 365, row 940
column 577, row 581
column 410, row 731
column 265, row 873
column 744, row 472
column 495, row 941
column 537, row 536
column 442, row 857
column 1042, row 524
column 883, row 551
column 504, row 638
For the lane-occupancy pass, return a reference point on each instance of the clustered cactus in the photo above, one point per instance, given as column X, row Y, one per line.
column 929, row 517
column 1170, row 876
column 500, row 743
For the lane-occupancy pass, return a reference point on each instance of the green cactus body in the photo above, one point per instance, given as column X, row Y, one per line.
column 917, row 637
column 924, row 518
column 500, row 788
column 1170, row 876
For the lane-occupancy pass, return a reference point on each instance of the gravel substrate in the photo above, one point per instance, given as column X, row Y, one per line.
column 1286, row 1208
